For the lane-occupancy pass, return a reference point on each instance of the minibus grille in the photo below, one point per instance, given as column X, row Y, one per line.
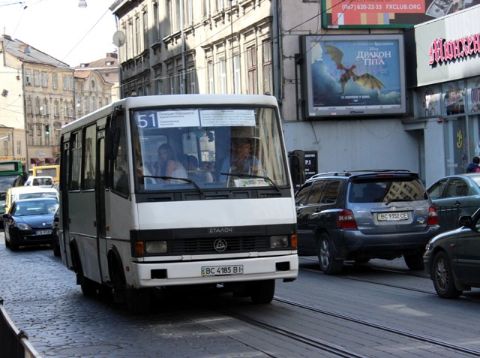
column 208, row 245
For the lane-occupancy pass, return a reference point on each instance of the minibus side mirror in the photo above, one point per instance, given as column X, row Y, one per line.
column 297, row 167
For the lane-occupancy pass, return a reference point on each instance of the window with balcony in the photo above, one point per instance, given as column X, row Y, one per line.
column 156, row 25
column 188, row 12
column 236, row 74
column 211, row 77
column 138, row 47
column 146, row 42
column 222, row 75
column 252, row 69
column 267, row 66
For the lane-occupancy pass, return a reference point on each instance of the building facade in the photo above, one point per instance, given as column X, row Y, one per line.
column 40, row 94
column 45, row 97
column 98, row 84
column 261, row 46
column 447, row 96
column 178, row 46
column 12, row 119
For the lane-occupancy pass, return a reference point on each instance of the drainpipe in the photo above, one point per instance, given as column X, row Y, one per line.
column 27, row 159
column 277, row 51
column 184, row 47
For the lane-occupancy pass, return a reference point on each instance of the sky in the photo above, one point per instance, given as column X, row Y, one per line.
column 60, row 28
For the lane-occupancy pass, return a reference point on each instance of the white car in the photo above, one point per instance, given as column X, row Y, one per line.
column 44, row 181
column 30, row 192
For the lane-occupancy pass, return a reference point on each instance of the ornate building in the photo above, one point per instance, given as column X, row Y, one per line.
column 191, row 46
column 96, row 84
column 44, row 101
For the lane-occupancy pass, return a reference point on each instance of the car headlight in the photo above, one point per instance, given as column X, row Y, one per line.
column 156, row 247
column 22, row 226
column 278, row 242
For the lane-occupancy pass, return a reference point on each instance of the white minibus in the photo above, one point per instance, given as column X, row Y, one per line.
column 153, row 195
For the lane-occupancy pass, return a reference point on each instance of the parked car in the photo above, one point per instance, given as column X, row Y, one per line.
column 28, row 192
column 359, row 215
column 29, row 222
column 452, row 258
column 45, row 181
column 455, row 196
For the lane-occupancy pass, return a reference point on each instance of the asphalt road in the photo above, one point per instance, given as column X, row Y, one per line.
column 377, row 310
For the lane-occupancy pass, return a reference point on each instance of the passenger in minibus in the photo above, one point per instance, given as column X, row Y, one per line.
column 167, row 164
column 195, row 173
column 242, row 160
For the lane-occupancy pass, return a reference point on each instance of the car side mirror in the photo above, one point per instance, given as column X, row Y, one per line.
column 465, row 221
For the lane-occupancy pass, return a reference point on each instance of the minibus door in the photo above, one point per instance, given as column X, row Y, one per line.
column 100, row 206
column 64, row 216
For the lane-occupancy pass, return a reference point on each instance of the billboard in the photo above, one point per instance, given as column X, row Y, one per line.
column 354, row 75
column 387, row 13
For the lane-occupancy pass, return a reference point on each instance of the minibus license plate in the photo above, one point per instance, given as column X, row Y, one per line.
column 398, row 216
column 222, row 270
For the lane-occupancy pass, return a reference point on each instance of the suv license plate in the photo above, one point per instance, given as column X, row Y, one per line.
column 224, row 270
column 398, row 216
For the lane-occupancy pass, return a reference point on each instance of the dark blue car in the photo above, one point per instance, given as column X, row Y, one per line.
column 452, row 259
column 30, row 222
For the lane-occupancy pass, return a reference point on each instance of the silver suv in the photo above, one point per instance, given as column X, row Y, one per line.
column 359, row 215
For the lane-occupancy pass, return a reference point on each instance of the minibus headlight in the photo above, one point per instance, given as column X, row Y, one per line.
column 156, row 247
column 278, row 242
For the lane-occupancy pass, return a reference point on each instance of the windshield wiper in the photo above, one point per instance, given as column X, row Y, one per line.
column 163, row 177
column 242, row 175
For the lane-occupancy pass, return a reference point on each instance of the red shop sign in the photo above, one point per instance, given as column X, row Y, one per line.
column 445, row 51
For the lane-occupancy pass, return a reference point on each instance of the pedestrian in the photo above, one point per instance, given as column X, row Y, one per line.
column 474, row 166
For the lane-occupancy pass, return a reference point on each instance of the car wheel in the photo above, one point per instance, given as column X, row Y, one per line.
column 262, row 292
column 329, row 263
column 414, row 261
column 442, row 276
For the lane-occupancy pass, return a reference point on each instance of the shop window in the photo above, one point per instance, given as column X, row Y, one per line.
column 454, row 98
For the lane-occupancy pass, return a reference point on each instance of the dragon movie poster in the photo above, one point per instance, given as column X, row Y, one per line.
column 355, row 75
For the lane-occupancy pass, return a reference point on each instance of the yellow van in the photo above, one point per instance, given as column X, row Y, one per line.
column 47, row 170
column 28, row 192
